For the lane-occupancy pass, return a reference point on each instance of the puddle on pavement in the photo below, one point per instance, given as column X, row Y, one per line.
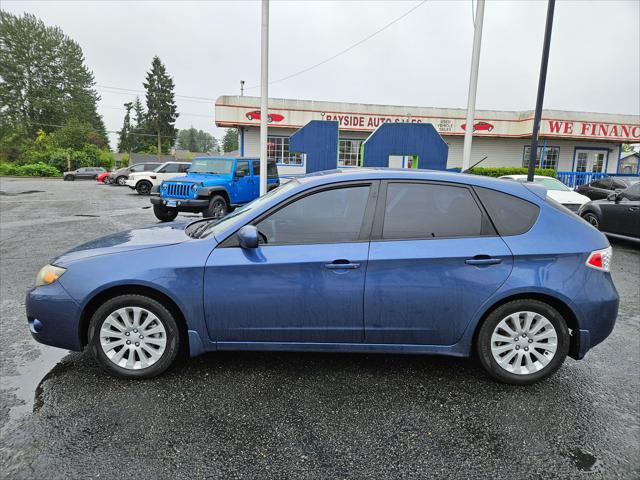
column 584, row 460
column 28, row 379
column 26, row 192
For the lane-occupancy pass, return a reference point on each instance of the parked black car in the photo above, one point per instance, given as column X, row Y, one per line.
column 617, row 215
column 84, row 173
column 119, row 177
column 601, row 188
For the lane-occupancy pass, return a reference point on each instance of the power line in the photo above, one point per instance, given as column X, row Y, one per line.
column 134, row 91
column 351, row 47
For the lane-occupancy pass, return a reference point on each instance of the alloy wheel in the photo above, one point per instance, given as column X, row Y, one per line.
column 133, row 338
column 121, row 181
column 592, row 219
column 524, row 343
column 218, row 209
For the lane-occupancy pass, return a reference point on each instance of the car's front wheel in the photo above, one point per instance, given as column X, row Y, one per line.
column 134, row 336
column 165, row 214
column 523, row 342
column 591, row 219
column 106, row 180
column 217, row 207
column 69, row 178
column 143, row 187
column 122, row 181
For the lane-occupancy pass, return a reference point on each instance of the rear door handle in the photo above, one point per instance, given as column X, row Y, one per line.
column 342, row 265
column 483, row 260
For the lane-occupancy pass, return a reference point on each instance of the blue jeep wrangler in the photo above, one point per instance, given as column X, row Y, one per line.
column 213, row 186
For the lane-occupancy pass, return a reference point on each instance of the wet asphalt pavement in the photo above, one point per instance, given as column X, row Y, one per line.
column 287, row 415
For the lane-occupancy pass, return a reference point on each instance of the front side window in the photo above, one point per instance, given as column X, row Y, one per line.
column 242, row 169
column 137, row 168
column 278, row 150
column 422, row 211
column 631, row 193
column 212, row 165
column 550, row 157
column 330, row 216
column 349, row 153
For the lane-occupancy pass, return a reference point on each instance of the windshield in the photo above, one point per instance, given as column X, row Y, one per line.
column 552, row 184
column 213, row 227
column 211, row 165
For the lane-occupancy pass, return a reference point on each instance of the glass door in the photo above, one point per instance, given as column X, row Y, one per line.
column 590, row 161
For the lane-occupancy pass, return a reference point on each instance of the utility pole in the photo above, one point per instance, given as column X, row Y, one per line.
column 473, row 85
column 542, row 81
column 264, row 96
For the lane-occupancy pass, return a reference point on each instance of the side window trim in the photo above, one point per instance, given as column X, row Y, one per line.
column 365, row 231
column 488, row 229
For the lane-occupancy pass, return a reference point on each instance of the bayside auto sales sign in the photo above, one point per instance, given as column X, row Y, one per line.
column 239, row 111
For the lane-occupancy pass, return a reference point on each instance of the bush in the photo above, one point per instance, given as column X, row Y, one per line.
column 8, row 169
column 39, row 169
column 124, row 161
column 107, row 159
column 500, row 171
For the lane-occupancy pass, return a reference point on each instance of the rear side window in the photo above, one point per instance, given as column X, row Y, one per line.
column 272, row 169
column 417, row 210
column 511, row 215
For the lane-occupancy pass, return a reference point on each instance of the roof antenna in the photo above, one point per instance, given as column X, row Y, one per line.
column 475, row 164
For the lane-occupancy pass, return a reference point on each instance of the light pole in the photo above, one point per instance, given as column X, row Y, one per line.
column 542, row 81
column 473, row 86
column 264, row 96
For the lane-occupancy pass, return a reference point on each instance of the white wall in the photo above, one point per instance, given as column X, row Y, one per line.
column 502, row 152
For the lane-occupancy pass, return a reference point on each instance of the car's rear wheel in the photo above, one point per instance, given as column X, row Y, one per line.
column 217, row 207
column 69, row 178
column 134, row 336
column 523, row 342
column 591, row 219
column 165, row 214
column 121, row 181
column 143, row 187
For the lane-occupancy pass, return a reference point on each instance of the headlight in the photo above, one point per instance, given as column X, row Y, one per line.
column 194, row 187
column 49, row 274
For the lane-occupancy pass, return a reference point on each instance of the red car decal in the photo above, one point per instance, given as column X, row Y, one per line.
column 480, row 126
column 273, row 117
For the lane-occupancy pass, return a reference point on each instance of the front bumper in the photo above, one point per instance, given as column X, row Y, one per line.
column 181, row 202
column 131, row 183
column 53, row 317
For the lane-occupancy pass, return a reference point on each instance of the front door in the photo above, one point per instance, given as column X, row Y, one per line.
column 623, row 217
column 434, row 263
column 593, row 161
column 242, row 183
column 305, row 282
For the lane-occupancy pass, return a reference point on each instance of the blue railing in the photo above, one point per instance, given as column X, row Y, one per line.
column 575, row 179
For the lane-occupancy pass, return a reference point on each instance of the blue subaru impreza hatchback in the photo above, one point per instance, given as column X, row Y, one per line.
column 362, row 260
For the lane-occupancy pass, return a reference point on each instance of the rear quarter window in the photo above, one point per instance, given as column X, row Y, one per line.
column 511, row 215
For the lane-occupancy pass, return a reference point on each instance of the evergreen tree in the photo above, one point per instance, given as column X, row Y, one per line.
column 140, row 141
column 44, row 81
column 161, row 107
column 230, row 140
column 196, row 141
column 125, row 136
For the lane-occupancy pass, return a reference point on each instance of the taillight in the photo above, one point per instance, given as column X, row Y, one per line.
column 600, row 259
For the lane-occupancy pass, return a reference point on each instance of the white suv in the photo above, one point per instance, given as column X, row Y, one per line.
column 143, row 182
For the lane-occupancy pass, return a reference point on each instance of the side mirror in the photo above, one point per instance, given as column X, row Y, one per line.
column 239, row 174
column 613, row 197
column 248, row 236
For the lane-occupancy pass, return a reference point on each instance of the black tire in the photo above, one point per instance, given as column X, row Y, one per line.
column 591, row 219
column 165, row 214
column 143, row 187
column 483, row 342
column 217, row 208
column 160, row 311
column 69, row 178
column 121, row 180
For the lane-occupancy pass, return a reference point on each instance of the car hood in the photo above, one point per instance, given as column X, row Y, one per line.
column 204, row 178
column 138, row 239
column 568, row 197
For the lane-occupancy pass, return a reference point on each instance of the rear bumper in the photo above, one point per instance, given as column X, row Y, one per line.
column 181, row 202
column 53, row 317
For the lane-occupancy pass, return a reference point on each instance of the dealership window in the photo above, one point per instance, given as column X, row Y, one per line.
column 581, row 162
column 349, row 153
column 550, row 160
column 278, row 150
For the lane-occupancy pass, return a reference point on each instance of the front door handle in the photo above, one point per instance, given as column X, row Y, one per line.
column 483, row 260
column 342, row 265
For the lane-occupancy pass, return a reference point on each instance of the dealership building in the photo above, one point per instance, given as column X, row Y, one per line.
column 568, row 141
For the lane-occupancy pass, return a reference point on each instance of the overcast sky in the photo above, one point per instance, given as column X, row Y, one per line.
column 423, row 60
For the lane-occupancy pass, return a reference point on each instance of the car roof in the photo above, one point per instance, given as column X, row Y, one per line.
column 222, row 157
column 518, row 177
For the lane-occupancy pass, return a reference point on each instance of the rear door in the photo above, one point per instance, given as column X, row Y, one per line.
column 434, row 260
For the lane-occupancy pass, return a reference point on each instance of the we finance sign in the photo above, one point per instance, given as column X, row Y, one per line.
column 608, row 131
